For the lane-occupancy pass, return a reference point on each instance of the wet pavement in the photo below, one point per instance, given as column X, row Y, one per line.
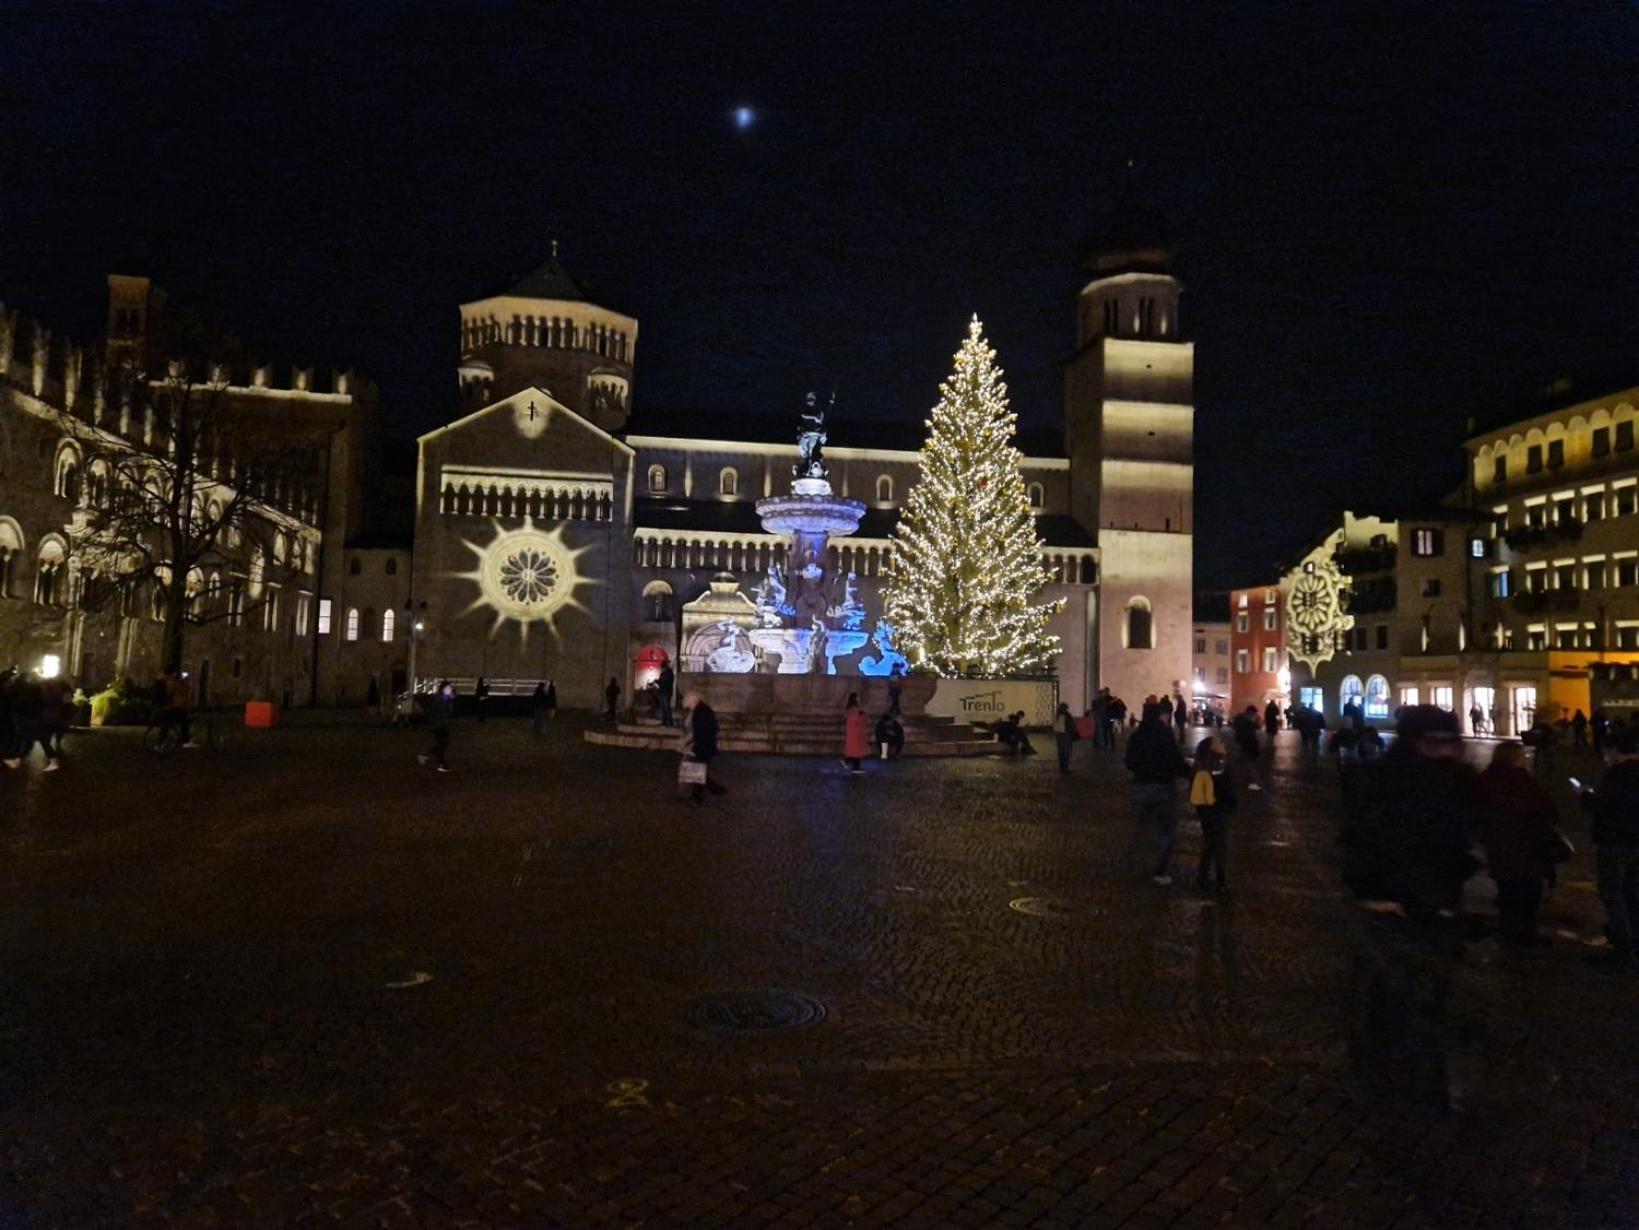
column 302, row 982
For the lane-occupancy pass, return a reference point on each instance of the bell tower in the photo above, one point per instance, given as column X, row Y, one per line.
column 545, row 331
column 1129, row 428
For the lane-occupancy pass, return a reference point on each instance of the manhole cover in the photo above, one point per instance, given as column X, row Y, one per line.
column 1041, row 907
column 755, row 1012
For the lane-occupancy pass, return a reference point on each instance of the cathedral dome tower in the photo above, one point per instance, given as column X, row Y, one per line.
column 544, row 331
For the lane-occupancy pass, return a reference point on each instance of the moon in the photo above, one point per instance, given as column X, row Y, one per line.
column 744, row 117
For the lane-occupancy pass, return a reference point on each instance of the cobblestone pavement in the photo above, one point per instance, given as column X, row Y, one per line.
column 301, row 982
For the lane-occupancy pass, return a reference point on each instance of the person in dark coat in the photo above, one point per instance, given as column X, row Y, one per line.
column 1245, row 727
column 1419, row 815
column 1156, row 764
column 1517, row 821
column 700, row 743
column 1614, row 808
column 611, row 698
column 537, row 708
column 1579, row 729
column 890, row 734
column 666, row 682
column 1064, row 735
column 1271, row 720
column 440, row 710
column 480, row 696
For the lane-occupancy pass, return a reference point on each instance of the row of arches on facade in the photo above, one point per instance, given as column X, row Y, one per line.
column 60, row 581
column 1580, row 438
column 94, row 484
column 553, row 332
column 503, row 500
column 728, row 484
column 748, row 555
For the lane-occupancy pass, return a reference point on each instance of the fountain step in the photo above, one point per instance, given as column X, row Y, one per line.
column 816, row 729
column 662, row 740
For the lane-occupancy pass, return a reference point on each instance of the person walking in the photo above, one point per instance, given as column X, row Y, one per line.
column 1476, row 720
column 440, row 710
column 665, row 682
column 28, row 714
column 1520, row 830
column 54, row 702
column 1115, row 719
column 1180, row 716
column 611, row 698
column 538, row 710
column 1064, row 734
column 480, row 696
column 551, row 699
column 1271, row 720
column 699, row 743
column 856, row 743
column 1212, row 794
column 1245, row 729
column 1579, row 729
column 1614, row 809
column 1099, row 712
column 1155, row 763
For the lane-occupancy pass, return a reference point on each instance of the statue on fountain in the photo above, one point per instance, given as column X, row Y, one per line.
column 770, row 598
column 811, row 440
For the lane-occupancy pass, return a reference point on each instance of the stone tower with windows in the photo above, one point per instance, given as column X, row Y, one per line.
column 545, row 332
column 1129, row 425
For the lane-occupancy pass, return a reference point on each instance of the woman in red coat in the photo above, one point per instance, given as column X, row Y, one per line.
column 1519, row 822
column 856, row 743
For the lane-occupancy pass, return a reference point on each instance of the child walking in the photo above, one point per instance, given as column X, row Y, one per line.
column 1212, row 793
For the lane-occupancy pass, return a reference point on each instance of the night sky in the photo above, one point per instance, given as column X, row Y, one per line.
column 1389, row 216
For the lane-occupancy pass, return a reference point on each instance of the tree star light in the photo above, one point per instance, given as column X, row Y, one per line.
column 744, row 117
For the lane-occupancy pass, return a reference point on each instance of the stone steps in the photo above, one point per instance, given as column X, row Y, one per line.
column 808, row 742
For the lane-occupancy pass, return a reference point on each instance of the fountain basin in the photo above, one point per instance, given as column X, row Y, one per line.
column 810, row 515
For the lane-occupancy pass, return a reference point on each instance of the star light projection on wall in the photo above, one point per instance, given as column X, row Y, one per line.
column 527, row 575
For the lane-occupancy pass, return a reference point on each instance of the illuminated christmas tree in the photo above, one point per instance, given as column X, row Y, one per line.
column 966, row 563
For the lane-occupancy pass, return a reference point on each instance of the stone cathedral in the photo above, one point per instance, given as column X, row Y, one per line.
column 558, row 536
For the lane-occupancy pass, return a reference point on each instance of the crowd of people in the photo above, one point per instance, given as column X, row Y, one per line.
column 34, row 711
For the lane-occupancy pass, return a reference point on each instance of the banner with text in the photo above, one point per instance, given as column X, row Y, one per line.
column 986, row 700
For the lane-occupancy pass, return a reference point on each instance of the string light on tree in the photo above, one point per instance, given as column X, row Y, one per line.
column 966, row 563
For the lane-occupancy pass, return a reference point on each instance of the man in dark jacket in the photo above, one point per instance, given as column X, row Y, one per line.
column 665, row 683
column 440, row 709
column 1156, row 764
column 700, row 743
column 1419, row 818
column 1614, row 808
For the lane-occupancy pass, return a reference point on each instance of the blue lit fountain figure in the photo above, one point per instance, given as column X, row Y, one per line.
column 809, row 616
column 882, row 662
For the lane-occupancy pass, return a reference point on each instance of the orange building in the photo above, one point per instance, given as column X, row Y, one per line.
column 1257, row 647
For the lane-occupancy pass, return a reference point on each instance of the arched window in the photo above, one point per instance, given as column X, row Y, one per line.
column 1350, row 693
column 387, row 620
column 884, row 489
column 657, row 479
column 1037, row 495
column 67, row 482
column 11, row 550
column 657, row 602
column 728, row 482
column 1140, row 624
column 1377, row 697
column 356, row 567
column 48, row 571
column 352, row 632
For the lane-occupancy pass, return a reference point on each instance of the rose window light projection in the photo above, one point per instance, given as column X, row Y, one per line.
column 527, row 575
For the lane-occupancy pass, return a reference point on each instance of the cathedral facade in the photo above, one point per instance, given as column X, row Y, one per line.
column 557, row 538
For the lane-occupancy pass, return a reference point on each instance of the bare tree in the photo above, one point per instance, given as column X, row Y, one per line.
column 195, row 506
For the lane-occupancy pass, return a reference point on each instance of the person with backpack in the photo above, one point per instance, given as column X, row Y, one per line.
column 1212, row 794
